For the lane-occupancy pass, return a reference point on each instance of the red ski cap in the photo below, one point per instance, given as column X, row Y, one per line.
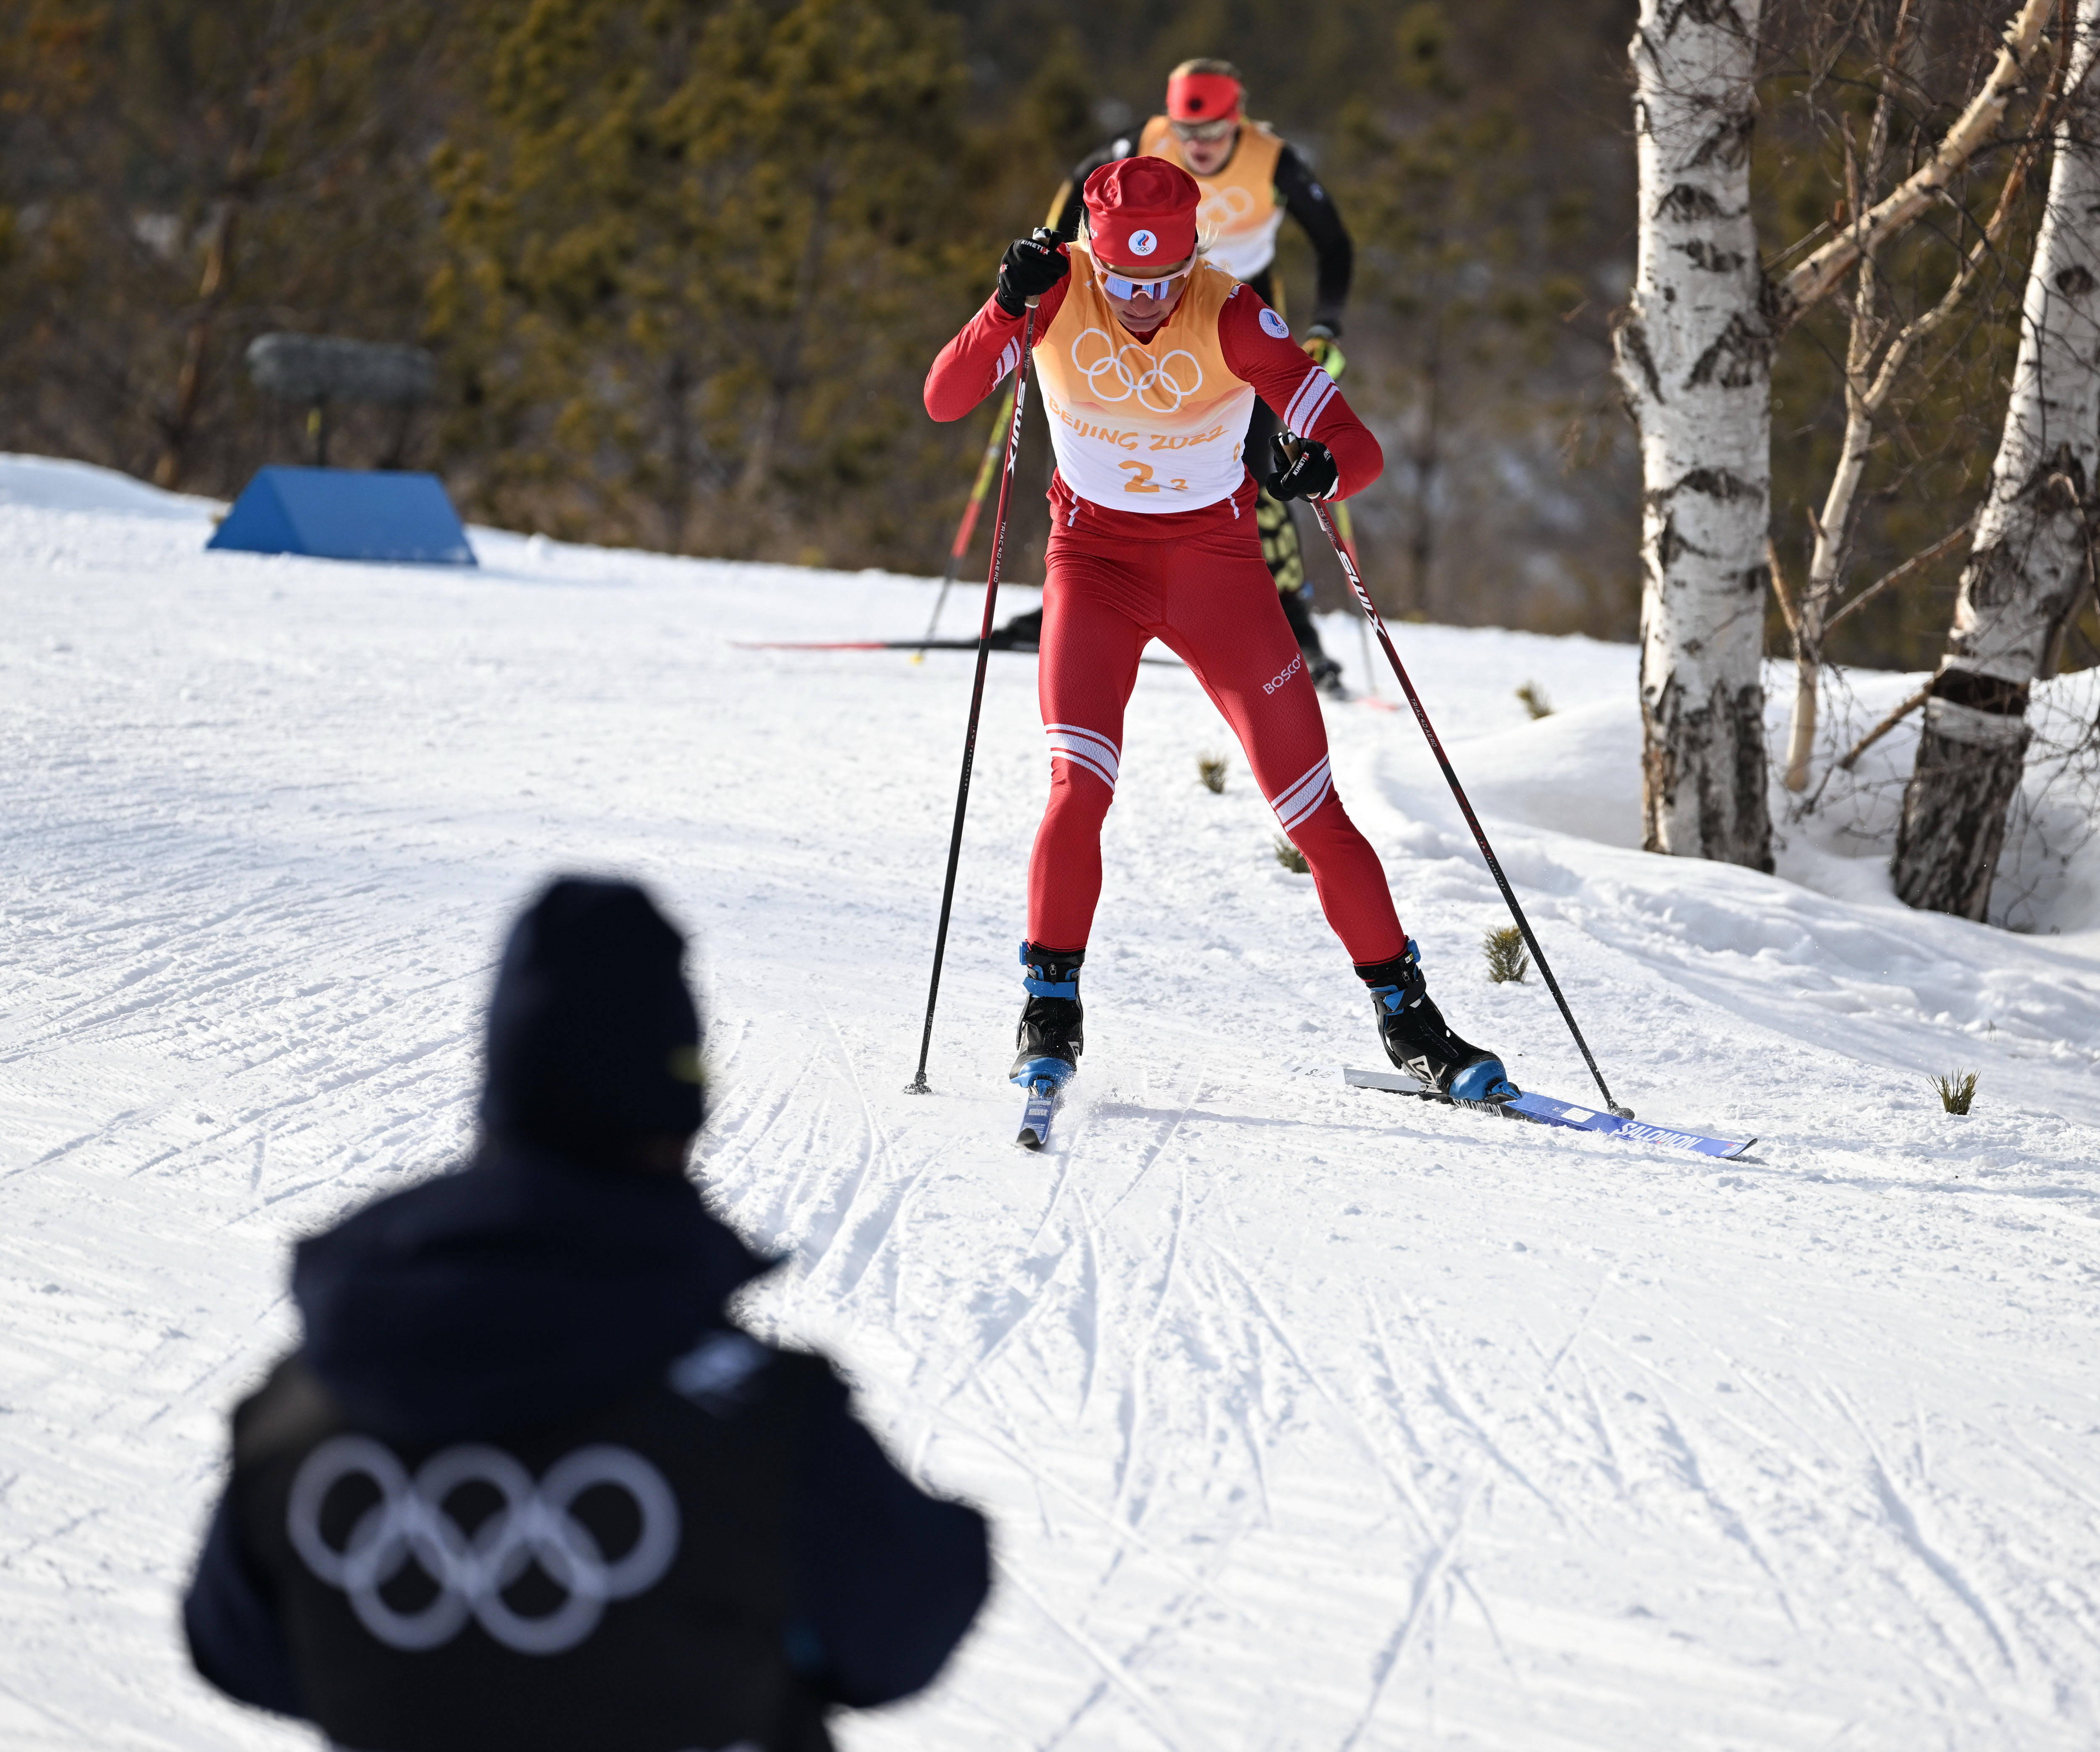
column 1203, row 97
column 1140, row 211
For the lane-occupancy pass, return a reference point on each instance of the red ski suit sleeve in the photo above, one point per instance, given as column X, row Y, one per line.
column 1303, row 397
column 973, row 365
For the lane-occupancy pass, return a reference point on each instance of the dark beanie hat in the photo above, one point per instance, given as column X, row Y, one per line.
column 592, row 1031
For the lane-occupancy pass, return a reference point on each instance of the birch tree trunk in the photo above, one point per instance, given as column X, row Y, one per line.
column 1694, row 360
column 1832, row 532
column 2032, row 538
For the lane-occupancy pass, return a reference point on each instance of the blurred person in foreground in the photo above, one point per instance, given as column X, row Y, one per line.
column 1249, row 178
column 524, row 1488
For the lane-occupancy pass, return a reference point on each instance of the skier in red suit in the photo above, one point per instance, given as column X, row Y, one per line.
column 1148, row 361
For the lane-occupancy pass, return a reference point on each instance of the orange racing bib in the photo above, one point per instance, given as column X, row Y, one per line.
column 1239, row 212
column 1137, row 428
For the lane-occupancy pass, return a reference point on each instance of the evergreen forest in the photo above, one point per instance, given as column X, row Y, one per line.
column 682, row 263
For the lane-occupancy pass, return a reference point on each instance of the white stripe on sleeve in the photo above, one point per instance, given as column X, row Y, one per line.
column 1303, row 415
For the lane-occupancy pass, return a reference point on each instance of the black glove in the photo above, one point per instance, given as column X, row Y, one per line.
column 1031, row 267
column 1311, row 474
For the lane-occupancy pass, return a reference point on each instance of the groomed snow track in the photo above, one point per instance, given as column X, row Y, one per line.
column 1309, row 1417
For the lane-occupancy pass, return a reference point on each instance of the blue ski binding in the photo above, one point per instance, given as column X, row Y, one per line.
column 1045, row 1079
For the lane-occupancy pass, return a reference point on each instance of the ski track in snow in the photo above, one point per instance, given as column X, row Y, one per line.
column 1308, row 1417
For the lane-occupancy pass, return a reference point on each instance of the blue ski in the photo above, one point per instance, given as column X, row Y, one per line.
column 1044, row 1079
column 1548, row 1109
column 1036, row 1116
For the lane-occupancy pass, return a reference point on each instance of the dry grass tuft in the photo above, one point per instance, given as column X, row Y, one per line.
column 1956, row 1090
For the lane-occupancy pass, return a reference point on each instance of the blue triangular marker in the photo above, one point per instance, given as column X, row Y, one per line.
column 345, row 514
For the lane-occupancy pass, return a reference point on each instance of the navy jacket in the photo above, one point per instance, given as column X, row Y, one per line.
column 523, row 1294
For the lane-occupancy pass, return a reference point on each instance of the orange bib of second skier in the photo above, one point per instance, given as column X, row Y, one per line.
column 1239, row 210
column 1144, row 428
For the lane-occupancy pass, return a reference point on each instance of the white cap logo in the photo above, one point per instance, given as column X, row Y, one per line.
column 1143, row 242
column 1276, row 326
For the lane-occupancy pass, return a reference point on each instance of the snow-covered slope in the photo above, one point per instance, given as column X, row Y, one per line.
column 1309, row 1417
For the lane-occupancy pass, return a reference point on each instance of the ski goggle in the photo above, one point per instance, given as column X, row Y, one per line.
column 1118, row 287
column 1205, row 131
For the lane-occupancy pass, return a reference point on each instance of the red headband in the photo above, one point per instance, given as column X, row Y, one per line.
column 1202, row 97
column 1140, row 211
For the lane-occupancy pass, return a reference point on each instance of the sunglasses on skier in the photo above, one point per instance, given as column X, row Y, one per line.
column 1118, row 287
column 1205, row 131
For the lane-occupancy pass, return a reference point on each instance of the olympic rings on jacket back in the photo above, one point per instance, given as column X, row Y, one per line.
column 1223, row 208
column 409, row 1523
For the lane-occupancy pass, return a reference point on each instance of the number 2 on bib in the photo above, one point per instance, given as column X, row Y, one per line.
column 1141, row 481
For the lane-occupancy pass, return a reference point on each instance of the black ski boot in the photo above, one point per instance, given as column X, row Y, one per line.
column 1050, row 1036
column 1419, row 1042
column 1022, row 632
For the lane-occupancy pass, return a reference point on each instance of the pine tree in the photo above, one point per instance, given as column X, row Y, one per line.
column 176, row 177
column 1443, row 207
column 700, row 255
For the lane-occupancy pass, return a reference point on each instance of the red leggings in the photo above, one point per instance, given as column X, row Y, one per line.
column 1208, row 598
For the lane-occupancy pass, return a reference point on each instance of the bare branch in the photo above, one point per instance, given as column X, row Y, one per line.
column 1892, row 361
column 1813, row 279
column 1878, row 138
column 1886, row 725
column 1786, row 608
column 1896, row 574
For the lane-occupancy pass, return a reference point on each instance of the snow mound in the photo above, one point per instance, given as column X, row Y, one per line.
column 51, row 483
column 1576, row 772
column 2048, row 874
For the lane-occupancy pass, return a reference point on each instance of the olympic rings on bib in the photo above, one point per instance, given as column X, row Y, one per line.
column 1223, row 208
column 409, row 1523
column 1156, row 379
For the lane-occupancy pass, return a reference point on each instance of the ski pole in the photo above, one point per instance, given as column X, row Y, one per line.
column 968, row 526
column 1331, row 361
column 1349, row 534
column 1480, row 837
column 1363, row 629
column 918, row 1085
